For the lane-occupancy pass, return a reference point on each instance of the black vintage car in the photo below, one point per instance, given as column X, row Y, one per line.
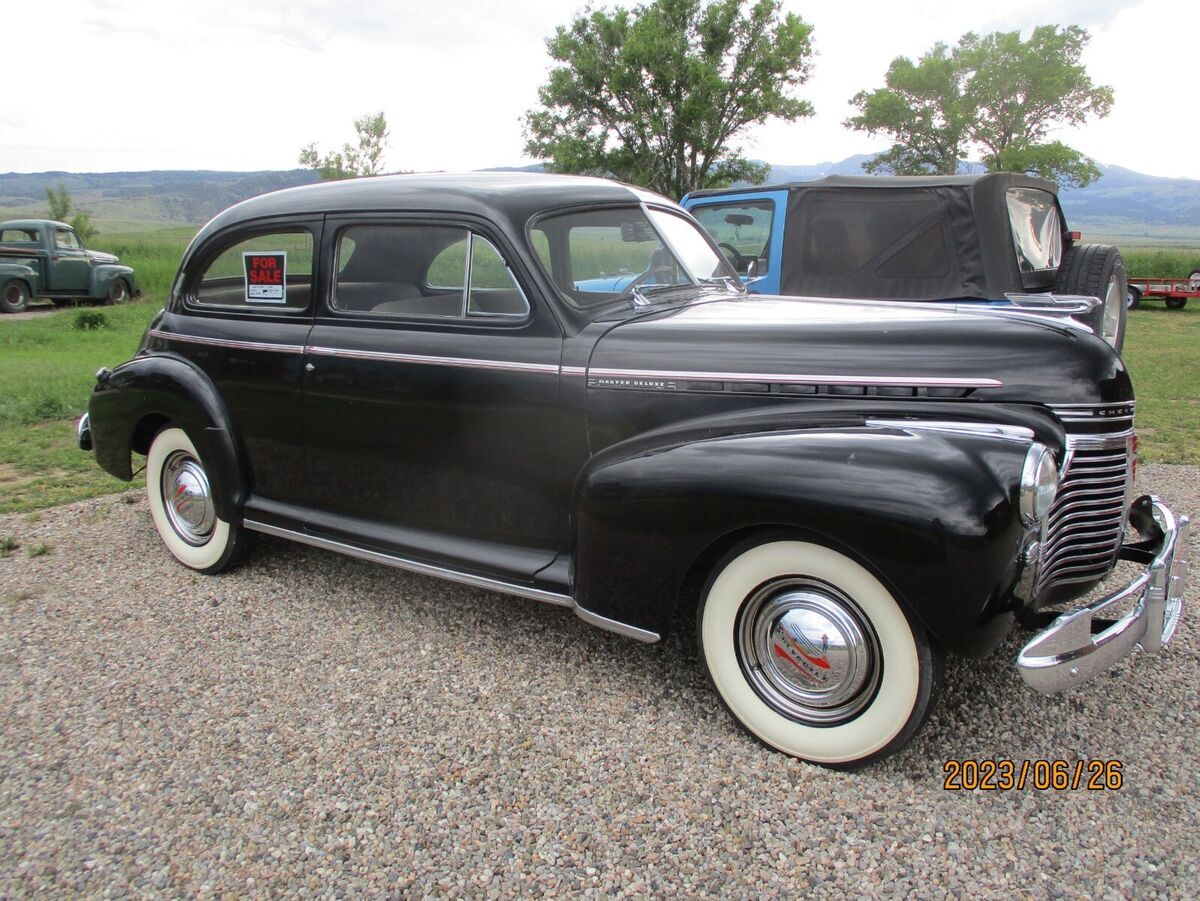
column 437, row 373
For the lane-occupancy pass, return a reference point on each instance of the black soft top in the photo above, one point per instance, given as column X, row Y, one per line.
column 903, row 237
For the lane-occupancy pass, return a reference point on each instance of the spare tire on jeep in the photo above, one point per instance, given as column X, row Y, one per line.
column 1098, row 270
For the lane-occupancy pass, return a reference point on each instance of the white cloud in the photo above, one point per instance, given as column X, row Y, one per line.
column 243, row 85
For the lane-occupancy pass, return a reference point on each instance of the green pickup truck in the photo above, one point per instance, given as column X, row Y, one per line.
column 42, row 258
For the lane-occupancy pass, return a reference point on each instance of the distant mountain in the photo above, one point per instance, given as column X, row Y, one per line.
column 134, row 200
column 1122, row 203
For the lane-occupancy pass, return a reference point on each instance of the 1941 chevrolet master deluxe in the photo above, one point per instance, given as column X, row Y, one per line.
column 428, row 372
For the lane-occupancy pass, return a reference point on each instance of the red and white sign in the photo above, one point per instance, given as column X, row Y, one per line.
column 266, row 276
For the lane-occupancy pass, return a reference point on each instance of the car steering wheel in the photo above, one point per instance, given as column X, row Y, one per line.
column 741, row 263
column 649, row 273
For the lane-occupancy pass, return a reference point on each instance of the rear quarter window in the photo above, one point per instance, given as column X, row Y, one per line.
column 268, row 271
column 1036, row 229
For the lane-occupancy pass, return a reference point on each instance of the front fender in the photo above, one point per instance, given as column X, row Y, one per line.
column 106, row 273
column 155, row 389
column 933, row 514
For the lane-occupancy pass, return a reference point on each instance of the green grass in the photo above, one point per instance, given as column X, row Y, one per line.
column 1161, row 353
column 1161, row 262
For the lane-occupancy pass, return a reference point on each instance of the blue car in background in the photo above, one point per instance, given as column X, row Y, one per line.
column 998, row 240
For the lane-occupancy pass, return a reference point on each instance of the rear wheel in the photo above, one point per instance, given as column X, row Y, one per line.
column 14, row 296
column 180, row 491
column 1176, row 303
column 813, row 655
column 1097, row 270
column 1133, row 298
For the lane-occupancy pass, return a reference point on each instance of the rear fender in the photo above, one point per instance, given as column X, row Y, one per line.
column 932, row 513
column 30, row 276
column 161, row 388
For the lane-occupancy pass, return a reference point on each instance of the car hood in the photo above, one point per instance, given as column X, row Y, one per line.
column 761, row 344
column 97, row 256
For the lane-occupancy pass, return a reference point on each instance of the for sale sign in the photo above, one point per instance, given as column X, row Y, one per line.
column 266, row 276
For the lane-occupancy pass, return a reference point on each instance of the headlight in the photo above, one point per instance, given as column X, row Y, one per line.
column 1039, row 484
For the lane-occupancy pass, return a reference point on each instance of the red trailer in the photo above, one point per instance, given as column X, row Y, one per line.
column 1175, row 291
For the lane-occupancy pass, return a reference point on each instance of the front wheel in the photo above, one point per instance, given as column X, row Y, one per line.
column 181, row 504
column 1133, row 298
column 813, row 655
column 118, row 292
column 1176, row 303
column 14, row 296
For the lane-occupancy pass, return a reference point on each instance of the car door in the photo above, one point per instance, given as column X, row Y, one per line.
column 246, row 331
column 431, row 398
column 69, row 265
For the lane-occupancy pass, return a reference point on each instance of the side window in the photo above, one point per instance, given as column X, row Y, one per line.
column 18, row 235
column 1036, row 228
column 421, row 271
column 272, row 271
column 64, row 237
column 741, row 230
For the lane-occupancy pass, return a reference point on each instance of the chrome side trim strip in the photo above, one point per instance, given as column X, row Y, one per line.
column 611, row 625
column 795, row 379
column 994, row 430
column 226, row 342
column 453, row 575
column 429, row 360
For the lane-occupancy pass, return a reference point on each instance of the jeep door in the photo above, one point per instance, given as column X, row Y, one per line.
column 431, row 397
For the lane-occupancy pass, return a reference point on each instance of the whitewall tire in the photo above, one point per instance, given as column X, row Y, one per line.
column 180, row 494
column 813, row 655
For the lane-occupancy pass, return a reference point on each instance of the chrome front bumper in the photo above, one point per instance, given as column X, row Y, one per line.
column 1080, row 645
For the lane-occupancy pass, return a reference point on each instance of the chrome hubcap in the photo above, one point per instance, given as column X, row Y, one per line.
column 187, row 498
column 808, row 651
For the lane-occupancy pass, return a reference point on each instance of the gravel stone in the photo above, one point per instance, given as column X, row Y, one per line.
column 311, row 725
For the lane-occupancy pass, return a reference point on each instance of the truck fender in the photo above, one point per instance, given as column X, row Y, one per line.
column 105, row 274
column 933, row 514
column 141, row 396
column 27, row 274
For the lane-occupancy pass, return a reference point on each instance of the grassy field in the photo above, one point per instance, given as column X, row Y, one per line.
column 47, row 366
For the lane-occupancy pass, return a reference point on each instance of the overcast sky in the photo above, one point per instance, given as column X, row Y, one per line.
column 106, row 85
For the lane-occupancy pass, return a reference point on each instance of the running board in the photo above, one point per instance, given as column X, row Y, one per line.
column 453, row 575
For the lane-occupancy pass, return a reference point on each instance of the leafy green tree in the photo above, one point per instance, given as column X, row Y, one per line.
column 352, row 161
column 659, row 95
column 995, row 95
column 61, row 204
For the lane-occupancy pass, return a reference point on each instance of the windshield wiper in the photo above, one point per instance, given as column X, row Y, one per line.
column 731, row 283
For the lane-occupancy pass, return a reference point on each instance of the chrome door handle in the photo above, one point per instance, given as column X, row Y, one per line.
column 309, row 367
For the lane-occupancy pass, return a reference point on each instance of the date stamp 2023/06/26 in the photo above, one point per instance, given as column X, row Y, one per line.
column 1005, row 774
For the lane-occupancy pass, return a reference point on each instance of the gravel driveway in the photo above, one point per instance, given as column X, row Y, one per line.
column 314, row 724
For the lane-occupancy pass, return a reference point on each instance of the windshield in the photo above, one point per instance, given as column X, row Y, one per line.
column 596, row 257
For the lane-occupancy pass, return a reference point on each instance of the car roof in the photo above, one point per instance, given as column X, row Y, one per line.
column 33, row 223
column 514, row 195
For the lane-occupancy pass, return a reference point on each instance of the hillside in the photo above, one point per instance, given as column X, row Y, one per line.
column 1123, row 204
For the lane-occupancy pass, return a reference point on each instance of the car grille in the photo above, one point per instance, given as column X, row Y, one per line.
column 1087, row 521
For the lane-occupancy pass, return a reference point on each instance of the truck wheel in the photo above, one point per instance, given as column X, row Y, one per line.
column 1097, row 270
column 1176, row 303
column 14, row 296
column 813, row 655
column 1133, row 298
column 180, row 493
column 1194, row 280
column 118, row 292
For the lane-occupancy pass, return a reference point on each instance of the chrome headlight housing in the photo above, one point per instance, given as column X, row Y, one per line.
column 1039, row 485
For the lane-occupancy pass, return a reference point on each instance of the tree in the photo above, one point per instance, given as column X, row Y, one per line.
column 658, row 95
column 61, row 204
column 995, row 95
column 352, row 161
